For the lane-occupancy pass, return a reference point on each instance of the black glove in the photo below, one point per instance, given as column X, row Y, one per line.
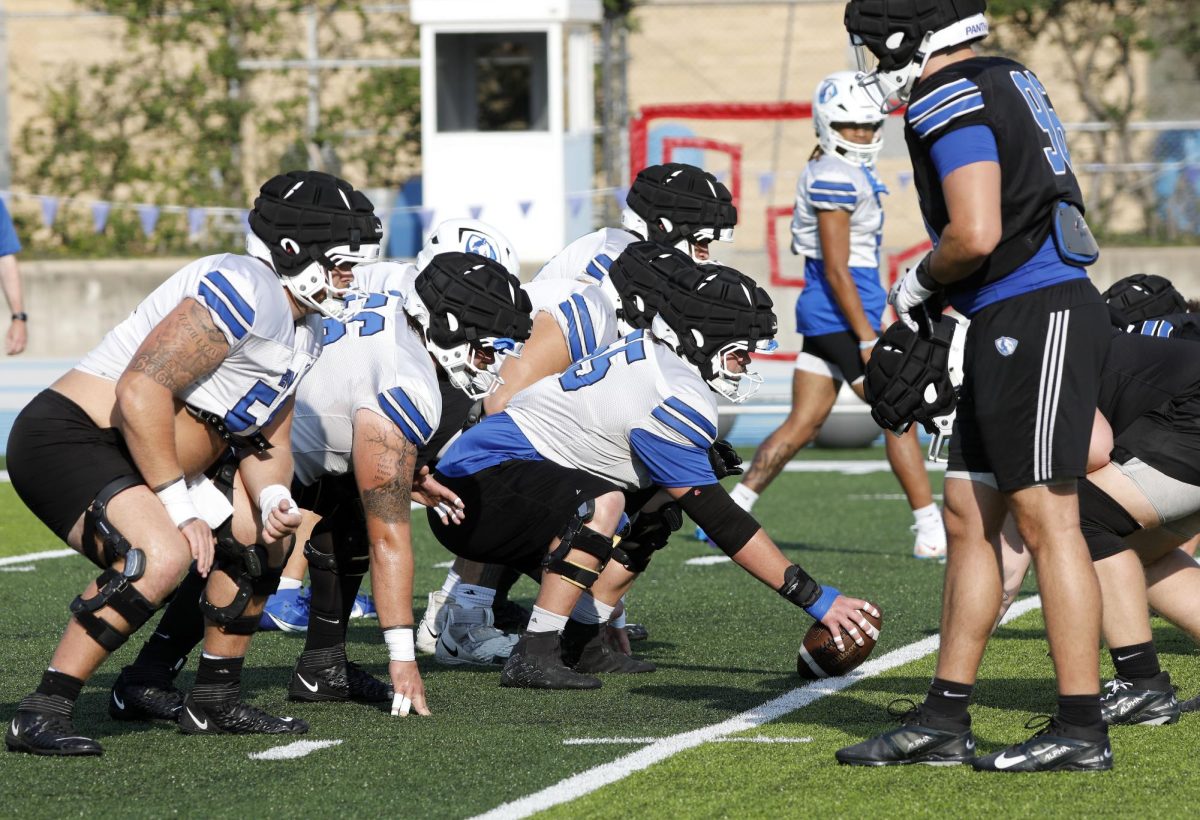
column 724, row 459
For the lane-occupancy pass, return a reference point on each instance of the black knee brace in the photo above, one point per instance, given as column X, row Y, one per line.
column 1104, row 522
column 116, row 591
column 577, row 536
column 245, row 565
column 95, row 523
column 648, row 533
column 347, row 531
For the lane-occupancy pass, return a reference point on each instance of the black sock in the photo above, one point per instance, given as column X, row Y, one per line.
column 948, row 699
column 218, row 680
column 60, row 684
column 1137, row 661
column 178, row 632
column 349, row 591
column 504, row 585
column 1081, row 712
column 326, row 623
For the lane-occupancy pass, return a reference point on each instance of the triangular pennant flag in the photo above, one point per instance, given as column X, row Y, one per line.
column 766, row 181
column 619, row 194
column 525, row 206
column 475, row 211
column 426, row 217
column 49, row 209
column 575, row 201
column 196, row 220
column 100, row 215
column 7, row 197
column 148, row 214
column 905, row 179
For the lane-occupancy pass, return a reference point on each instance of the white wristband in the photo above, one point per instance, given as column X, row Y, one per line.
column 399, row 640
column 270, row 497
column 178, row 501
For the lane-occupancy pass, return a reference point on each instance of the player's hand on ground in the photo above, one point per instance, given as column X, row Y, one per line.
column 282, row 520
column 201, row 543
column 432, row 493
column 408, row 689
column 847, row 614
column 617, row 639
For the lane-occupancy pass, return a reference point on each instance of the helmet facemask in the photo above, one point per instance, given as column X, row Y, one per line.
column 841, row 102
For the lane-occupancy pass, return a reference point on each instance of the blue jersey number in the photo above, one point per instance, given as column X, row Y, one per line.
column 369, row 323
column 240, row 418
column 595, row 367
column 1039, row 105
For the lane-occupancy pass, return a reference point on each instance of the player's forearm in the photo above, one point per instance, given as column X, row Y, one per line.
column 762, row 559
column 959, row 253
column 146, row 420
column 274, row 466
column 392, row 577
column 10, row 283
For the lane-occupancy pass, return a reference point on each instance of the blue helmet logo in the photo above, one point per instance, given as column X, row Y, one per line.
column 482, row 245
column 828, row 92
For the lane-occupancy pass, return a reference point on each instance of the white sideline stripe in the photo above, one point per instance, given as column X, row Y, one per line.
column 589, row 781
column 443, row 565
column 705, row 560
column 35, row 556
column 600, row 741
column 21, row 568
column 852, row 467
column 293, row 750
column 885, row 497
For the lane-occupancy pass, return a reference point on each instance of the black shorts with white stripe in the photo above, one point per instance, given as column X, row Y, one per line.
column 1032, row 376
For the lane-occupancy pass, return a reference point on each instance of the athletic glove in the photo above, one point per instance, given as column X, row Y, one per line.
column 724, row 459
column 911, row 293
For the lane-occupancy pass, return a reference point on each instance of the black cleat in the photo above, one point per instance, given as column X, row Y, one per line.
column 1051, row 751
column 1148, row 702
column 510, row 617
column 42, row 726
column 584, row 649
column 234, row 718
column 536, row 663
column 637, row 632
column 322, row 677
column 921, row 738
column 136, row 697
column 1190, row 705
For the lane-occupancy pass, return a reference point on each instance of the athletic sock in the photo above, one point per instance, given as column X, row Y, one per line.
column 928, row 516
column 218, row 680
column 177, row 633
column 1079, row 716
column 60, row 684
column 744, row 497
column 326, row 623
column 450, row 585
column 286, row 583
column 543, row 620
column 471, row 596
column 949, row 700
column 1136, row 661
column 590, row 611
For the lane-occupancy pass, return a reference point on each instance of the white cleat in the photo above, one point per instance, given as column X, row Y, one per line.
column 468, row 637
column 431, row 622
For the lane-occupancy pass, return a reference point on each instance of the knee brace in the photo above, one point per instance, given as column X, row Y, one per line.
column 113, row 544
column 648, row 533
column 246, row 566
column 347, row 530
column 116, row 591
column 577, row 536
column 1104, row 522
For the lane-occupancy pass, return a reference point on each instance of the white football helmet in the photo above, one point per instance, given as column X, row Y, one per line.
column 469, row 236
column 840, row 100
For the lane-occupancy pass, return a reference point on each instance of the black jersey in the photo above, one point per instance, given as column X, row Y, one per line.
column 1007, row 98
column 1174, row 325
column 1150, row 394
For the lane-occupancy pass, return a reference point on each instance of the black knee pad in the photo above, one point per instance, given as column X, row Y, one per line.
column 648, row 533
column 579, row 537
column 347, row 530
column 1104, row 522
column 116, row 592
column 114, row 545
column 245, row 565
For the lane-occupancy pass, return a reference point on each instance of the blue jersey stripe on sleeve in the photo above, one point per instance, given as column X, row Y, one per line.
column 396, row 404
column 399, row 420
column 218, row 306
column 935, row 98
column 939, row 118
column 835, row 199
column 830, row 185
column 568, row 310
column 670, row 464
column 693, row 415
column 974, row 143
column 679, row 426
column 585, row 322
column 230, row 293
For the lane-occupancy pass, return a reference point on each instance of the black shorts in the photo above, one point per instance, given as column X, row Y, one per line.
column 1032, row 369
column 514, row 510
column 840, row 349
column 59, row 460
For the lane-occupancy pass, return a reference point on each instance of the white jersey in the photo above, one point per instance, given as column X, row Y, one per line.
column 588, row 258
column 634, row 414
column 374, row 361
column 829, row 183
column 385, row 277
column 268, row 351
column 585, row 315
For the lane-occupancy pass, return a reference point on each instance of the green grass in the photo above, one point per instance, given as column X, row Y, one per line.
column 723, row 643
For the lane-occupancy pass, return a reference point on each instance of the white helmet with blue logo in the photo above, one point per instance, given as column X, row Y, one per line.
column 469, row 236
column 840, row 100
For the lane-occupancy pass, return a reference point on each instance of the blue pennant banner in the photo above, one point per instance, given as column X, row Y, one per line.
column 196, row 220
column 49, row 210
column 475, row 211
column 525, row 205
column 148, row 215
column 100, row 215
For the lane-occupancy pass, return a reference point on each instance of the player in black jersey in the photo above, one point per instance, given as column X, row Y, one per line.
column 998, row 195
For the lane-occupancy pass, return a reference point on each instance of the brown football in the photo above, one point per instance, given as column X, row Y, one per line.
column 820, row 658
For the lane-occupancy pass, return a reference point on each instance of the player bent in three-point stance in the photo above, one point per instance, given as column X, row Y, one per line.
column 112, row 456
column 543, row 479
column 996, row 188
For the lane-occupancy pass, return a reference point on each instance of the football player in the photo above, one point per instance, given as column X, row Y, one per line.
column 544, row 478
column 997, row 192
column 112, row 457
column 837, row 226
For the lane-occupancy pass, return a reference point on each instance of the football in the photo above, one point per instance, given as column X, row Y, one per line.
column 820, row 658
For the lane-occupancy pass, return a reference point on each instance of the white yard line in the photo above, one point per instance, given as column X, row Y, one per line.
column 706, row 560
column 36, row 556
column 599, row 776
column 852, row 467
column 293, row 750
column 642, row 741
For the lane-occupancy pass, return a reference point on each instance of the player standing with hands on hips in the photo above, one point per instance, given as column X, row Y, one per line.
column 997, row 192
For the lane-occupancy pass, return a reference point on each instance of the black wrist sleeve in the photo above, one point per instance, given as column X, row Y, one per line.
column 725, row 523
column 799, row 587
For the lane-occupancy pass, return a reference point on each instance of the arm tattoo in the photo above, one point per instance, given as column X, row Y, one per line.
column 394, row 458
column 184, row 347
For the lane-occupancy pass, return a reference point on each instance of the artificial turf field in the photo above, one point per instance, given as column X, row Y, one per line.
column 724, row 645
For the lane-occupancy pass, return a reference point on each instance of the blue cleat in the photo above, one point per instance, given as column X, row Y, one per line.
column 287, row 611
column 363, row 607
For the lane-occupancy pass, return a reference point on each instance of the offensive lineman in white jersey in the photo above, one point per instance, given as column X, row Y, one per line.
column 544, row 479
column 113, row 455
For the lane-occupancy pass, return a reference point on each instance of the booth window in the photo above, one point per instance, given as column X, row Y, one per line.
column 492, row 82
